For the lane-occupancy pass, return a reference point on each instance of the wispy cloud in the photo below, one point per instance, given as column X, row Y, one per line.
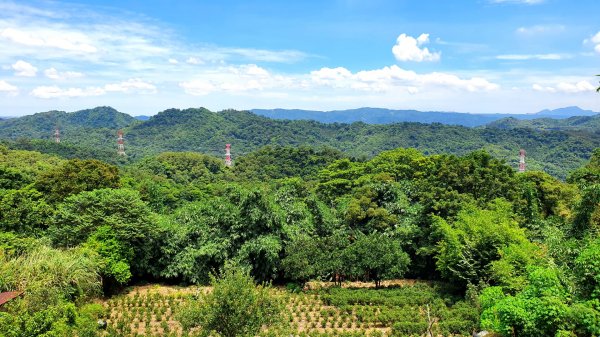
column 540, row 30
column 524, row 57
column 54, row 74
column 136, row 86
column 521, row 2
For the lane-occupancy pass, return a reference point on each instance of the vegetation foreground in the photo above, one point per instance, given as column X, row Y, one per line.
column 513, row 254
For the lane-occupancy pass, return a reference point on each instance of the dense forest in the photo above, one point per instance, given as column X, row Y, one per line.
column 516, row 254
column 91, row 134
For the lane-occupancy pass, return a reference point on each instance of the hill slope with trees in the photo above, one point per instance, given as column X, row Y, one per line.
column 200, row 130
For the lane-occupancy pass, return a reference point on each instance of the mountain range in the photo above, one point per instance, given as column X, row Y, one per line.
column 387, row 116
column 91, row 133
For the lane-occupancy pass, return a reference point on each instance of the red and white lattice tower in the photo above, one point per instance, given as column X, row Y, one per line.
column 120, row 143
column 228, row 155
column 57, row 135
column 522, row 160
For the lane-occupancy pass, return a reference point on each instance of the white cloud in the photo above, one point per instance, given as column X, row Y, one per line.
column 54, row 74
column 24, row 69
column 524, row 2
column 8, row 88
column 197, row 87
column 173, row 61
column 49, row 38
column 540, row 29
column 523, row 57
column 407, row 49
column 129, row 86
column 596, row 41
column 194, row 60
column 48, row 92
column 395, row 78
column 237, row 80
column 132, row 85
column 566, row 87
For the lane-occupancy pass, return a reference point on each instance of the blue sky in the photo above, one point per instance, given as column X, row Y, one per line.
column 141, row 57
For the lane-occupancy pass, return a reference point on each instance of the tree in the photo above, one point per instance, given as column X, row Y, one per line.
column 129, row 219
column 235, row 307
column 375, row 257
column 469, row 245
column 75, row 176
column 24, row 211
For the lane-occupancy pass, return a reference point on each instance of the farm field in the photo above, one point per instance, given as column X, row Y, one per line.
column 400, row 309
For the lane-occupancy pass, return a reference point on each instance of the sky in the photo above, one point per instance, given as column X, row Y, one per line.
column 144, row 56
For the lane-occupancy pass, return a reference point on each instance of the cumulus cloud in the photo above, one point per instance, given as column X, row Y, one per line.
column 407, row 48
column 129, row 86
column 173, row 61
column 523, row 57
column 6, row 87
column 24, row 69
column 394, row 77
column 54, row 74
column 566, row 87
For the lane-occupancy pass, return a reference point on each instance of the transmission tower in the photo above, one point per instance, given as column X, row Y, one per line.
column 228, row 155
column 120, row 143
column 57, row 135
column 522, row 160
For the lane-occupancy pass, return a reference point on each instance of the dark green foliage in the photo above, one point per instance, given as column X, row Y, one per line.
column 75, row 176
column 284, row 161
column 129, row 219
column 375, row 257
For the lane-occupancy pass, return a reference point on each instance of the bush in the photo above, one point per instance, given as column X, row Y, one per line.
column 401, row 329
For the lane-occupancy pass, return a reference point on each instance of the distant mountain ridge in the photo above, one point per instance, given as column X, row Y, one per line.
column 388, row 116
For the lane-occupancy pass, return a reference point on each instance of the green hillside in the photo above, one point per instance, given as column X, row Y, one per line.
column 200, row 130
column 582, row 123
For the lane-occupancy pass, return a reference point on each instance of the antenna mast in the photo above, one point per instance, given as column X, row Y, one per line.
column 228, row 155
column 522, row 160
column 120, row 143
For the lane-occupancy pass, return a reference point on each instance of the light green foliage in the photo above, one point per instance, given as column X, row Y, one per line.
column 541, row 309
column 24, row 211
column 49, row 276
column 235, row 307
column 587, row 266
column 113, row 254
column 469, row 245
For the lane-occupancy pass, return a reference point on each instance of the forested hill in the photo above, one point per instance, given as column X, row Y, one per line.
column 201, row 130
column 583, row 123
column 39, row 124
